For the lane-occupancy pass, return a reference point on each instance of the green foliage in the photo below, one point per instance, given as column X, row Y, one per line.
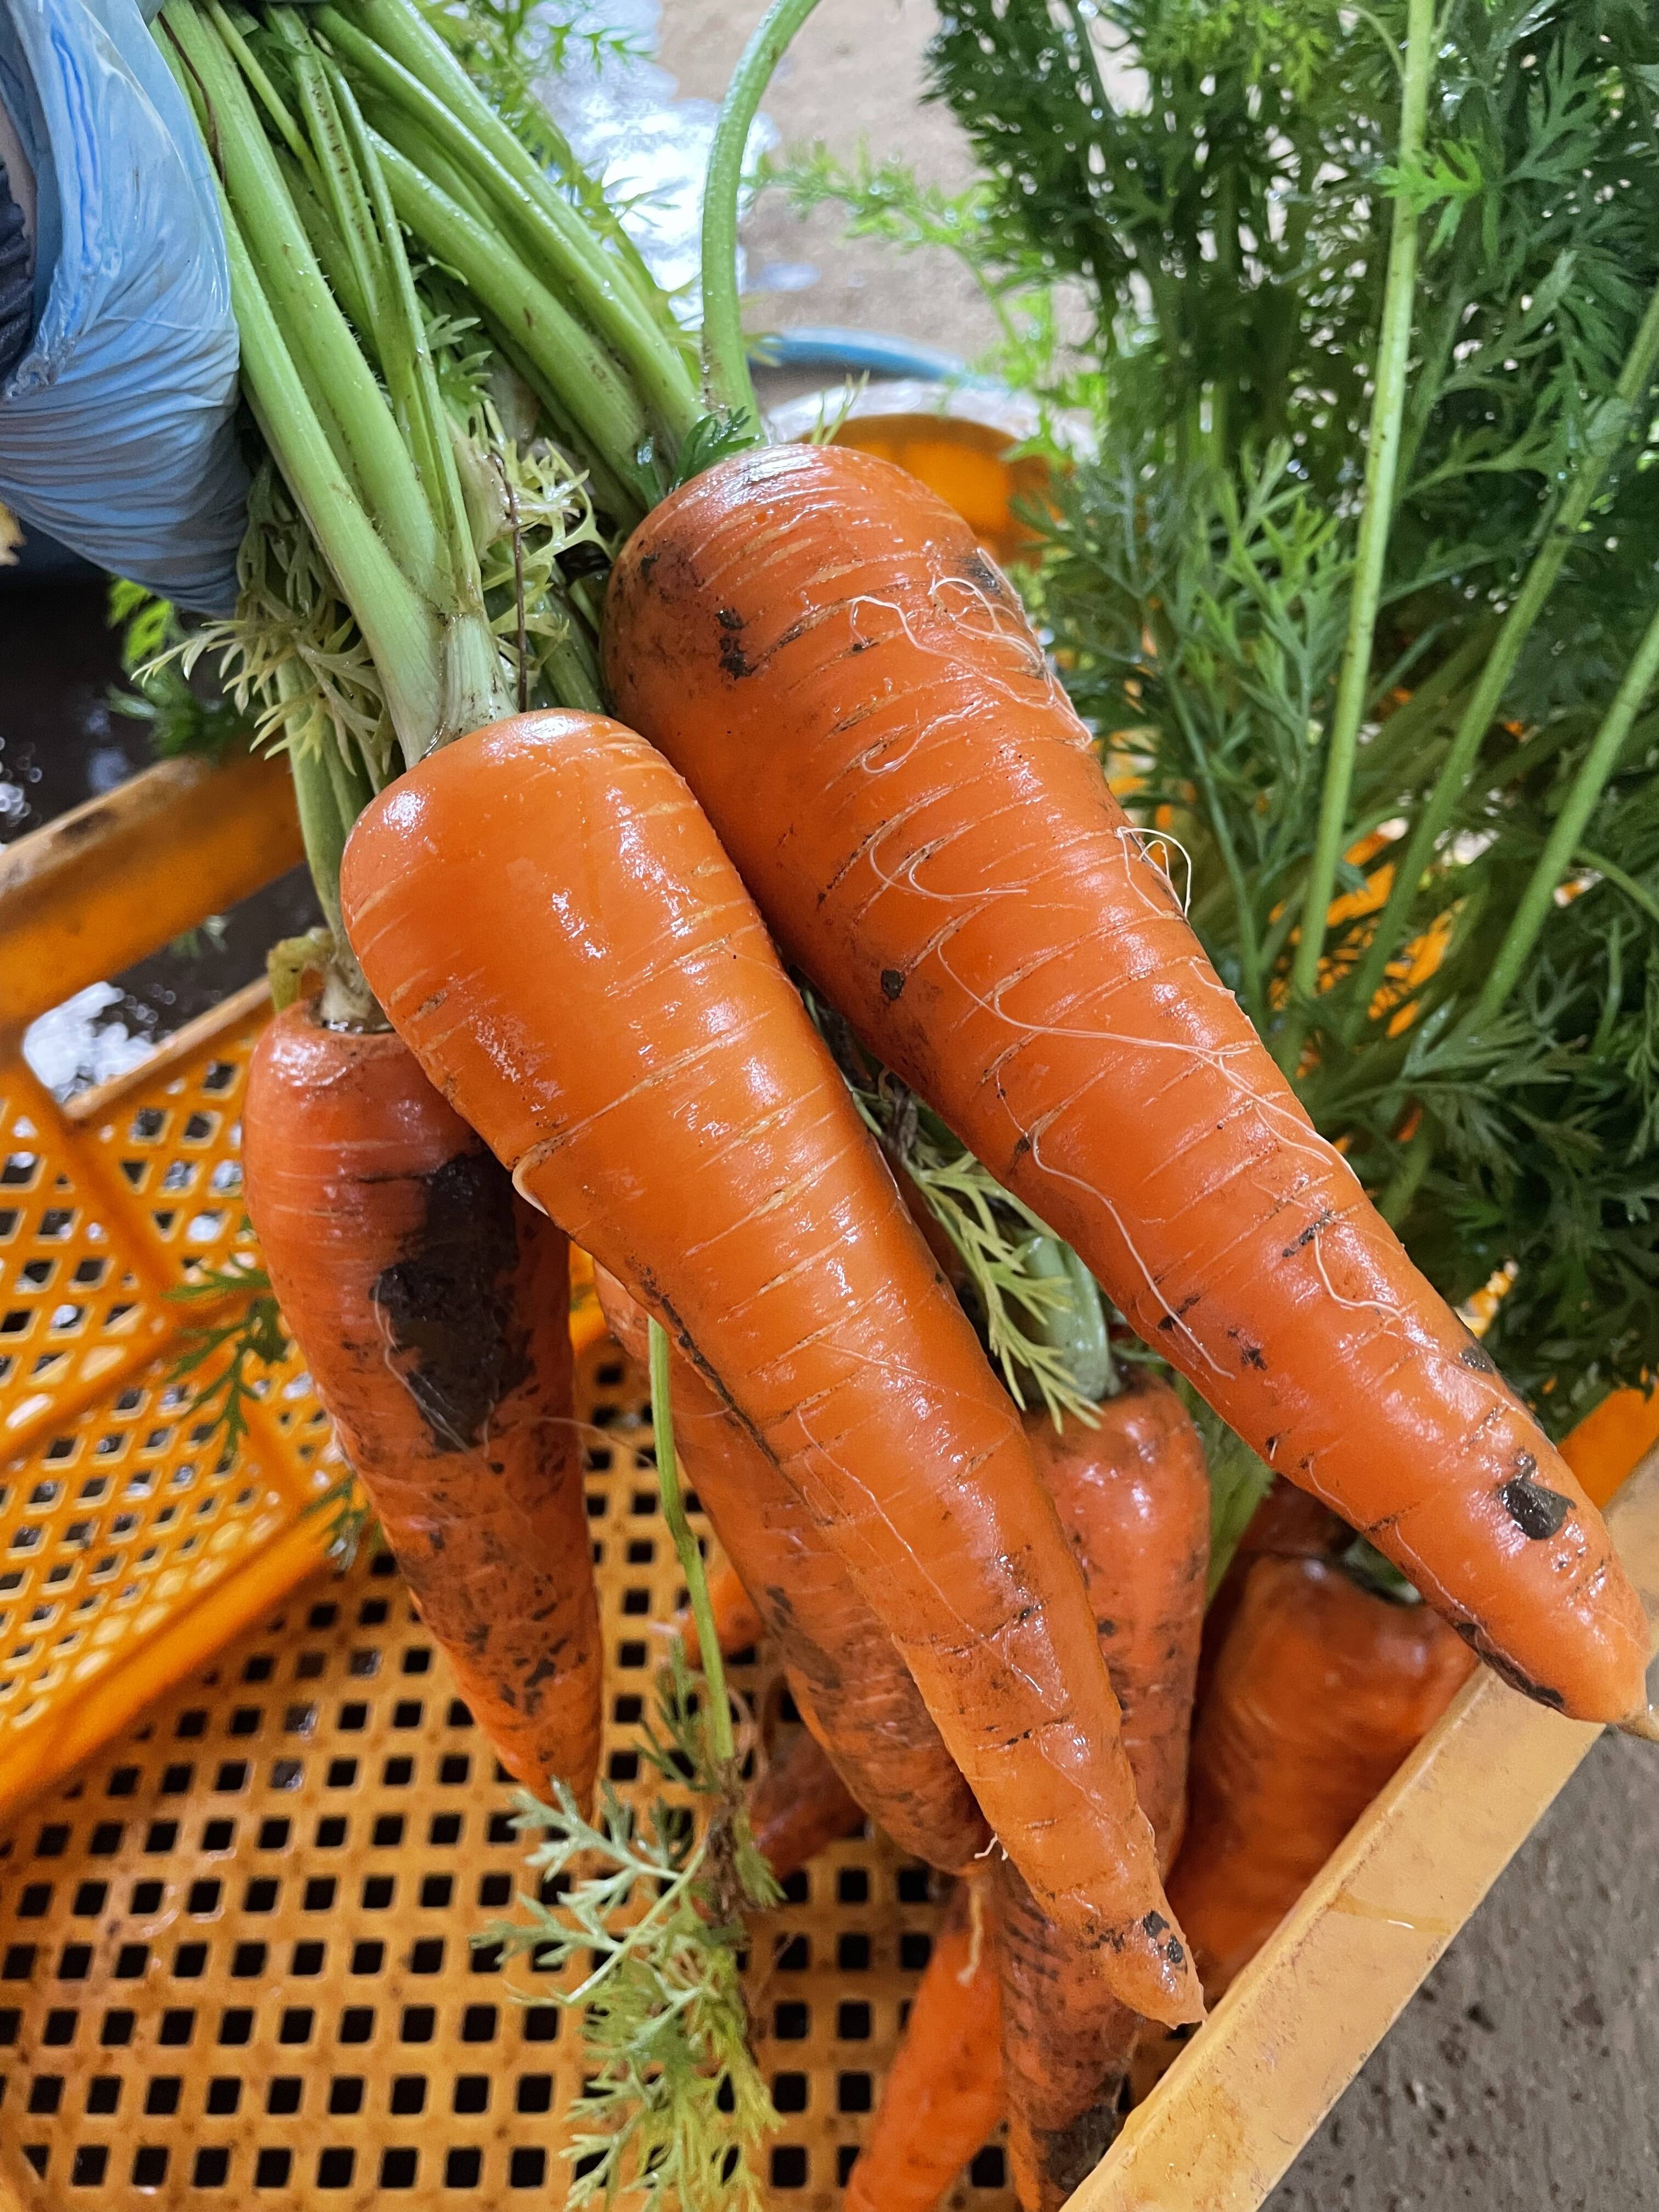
column 713, row 438
column 1002, row 1250
column 157, row 691
column 1216, row 184
column 250, row 1338
column 647, row 1908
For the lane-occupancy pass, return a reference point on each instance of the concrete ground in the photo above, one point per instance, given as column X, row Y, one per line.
column 1525, row 2074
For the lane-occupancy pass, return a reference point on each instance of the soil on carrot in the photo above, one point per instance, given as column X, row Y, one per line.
column 449, row 1302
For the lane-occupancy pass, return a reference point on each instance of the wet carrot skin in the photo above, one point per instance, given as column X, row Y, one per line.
column 943, row 2096
column 1320, row 1691
column 854, row 1691
column 1133, row 1498
column 429, row 1304
column 854, row 695
column 800, row 1806
column 552, row 926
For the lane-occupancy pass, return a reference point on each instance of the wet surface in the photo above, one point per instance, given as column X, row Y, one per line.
column 60, row 743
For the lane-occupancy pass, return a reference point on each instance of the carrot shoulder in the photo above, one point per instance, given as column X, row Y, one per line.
column 551, row 924
column 855, row 697
column 430, row 1305
column 854, row 1693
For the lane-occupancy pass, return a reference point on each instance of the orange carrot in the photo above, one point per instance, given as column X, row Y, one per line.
column 798, row 1806
column 853, row 1691
column 552, row 926
column 1287, row 1524
column 737, row 1624
column 942, row 2095
column 430, row 1306
column 1321, row 1690
column 1134, row 1499
column 856, row 697
column 1134, row 1496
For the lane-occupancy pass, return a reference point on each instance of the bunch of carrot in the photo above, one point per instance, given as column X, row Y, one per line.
column 559, row 1007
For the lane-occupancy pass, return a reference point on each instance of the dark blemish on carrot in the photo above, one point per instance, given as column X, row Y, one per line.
column 1188, row 1303
column 1473, row 1357
column 1022, row 1145
column 1505, row 1669
column 449, row 1302
column 732, row 659
column 1307, row 1237
column 978, row 570
column 1155, row 1923
column 1069, row 2155
column 1538, row 1513
column 892, row 984
column 859, row 645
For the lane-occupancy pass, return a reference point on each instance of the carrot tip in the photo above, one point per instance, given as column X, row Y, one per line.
column 1643, row 1723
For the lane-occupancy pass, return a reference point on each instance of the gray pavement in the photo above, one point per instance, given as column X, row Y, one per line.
column 1525, row 2074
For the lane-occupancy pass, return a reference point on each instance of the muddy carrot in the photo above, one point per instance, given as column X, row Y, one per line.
column 1321, row 1690
column 800, row 1805
column 1135, row 1500
column 943, row 2096
column 854, row 1693
column 430, row 1305
column 858, row 700
column 553, row 927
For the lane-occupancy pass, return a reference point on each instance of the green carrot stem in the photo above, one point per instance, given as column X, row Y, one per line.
column 726, row 380
column 411, row 375
column 1076, row 1330
column 270, row 99
column 399, row 627
column 328, row 246
column 322, row 823
column 1638, row 894
column 565, row 360
column 393, row 46
column 1552, row 863
column 1382, row 459
column 697, row 1583
column 341, row 392
column 1609, row 430
column 1407, row 1177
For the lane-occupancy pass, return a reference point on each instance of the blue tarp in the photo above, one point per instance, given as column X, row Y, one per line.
column 116, row 430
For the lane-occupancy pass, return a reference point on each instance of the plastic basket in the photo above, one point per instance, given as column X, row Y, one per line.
column 233, row 1960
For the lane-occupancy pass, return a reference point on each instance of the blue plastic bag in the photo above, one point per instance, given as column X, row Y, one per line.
column 116, row 430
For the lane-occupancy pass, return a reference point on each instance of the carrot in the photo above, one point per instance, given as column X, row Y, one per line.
column 429, row 1305
column 855, row 697
column 1321, row 1690
column 853, row 1691
column 943, row 2096
column 1287, row 1524
column 1134, row 1499
column 737, row 1624
column 552, row 926
column 800, row 1805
